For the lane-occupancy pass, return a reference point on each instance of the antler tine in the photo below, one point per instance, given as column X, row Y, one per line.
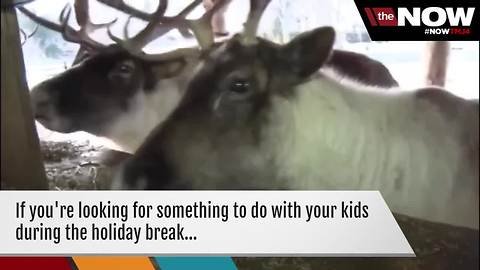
column 133, row 12
column 257, row 8
column 33, row 32
column 137, row 42
column 83, row 17
column 68, row 33
column 76, row 36
column 202, row 27
column 62, row 28
column 181, row 23
column 160, row 24
column 24, row 35
column 41, row 21
column 125, row 8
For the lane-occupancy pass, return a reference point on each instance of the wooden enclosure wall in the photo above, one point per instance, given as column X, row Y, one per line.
column 22, row 166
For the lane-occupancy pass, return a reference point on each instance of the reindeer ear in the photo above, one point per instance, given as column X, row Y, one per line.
column 158, row 71
column 169, row 69
column 307, row 52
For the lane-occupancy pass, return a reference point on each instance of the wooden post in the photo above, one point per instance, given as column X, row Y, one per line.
column 437, row 53
column 22, row 166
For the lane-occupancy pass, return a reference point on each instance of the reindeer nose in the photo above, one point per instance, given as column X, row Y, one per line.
column 41, row 102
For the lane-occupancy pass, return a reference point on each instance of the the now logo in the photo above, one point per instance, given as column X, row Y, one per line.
column 428, row 20
column 430, row 16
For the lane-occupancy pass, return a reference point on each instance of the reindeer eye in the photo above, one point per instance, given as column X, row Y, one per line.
column 122, row 72
column 240, row 86
column 124, row 68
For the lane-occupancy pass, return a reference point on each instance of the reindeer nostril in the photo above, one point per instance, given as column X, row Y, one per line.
column 38, row 113
column 40, row 109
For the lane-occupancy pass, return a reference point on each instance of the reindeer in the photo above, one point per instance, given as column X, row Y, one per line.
column 119, row 92
column 258, row 115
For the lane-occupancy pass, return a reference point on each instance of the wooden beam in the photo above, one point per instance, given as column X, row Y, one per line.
column 9, row 3
column 437, row 53
column 22, row 166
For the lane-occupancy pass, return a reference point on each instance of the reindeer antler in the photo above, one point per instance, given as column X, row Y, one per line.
column 40, row 21
column 127, row 9
column 149, row 33
column 70, row 34
column 160, row 25
column 133, row 12
column 202, row 27
column 27, row 36
column 257, row 8
column 82, row 15
column 81, row 36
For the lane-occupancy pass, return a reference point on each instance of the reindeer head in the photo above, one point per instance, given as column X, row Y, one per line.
column 219, row 135
column 109, row 82
column 100, row 89
column 238, row 79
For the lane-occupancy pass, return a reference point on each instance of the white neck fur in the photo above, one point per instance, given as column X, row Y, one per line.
column 341, row 135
